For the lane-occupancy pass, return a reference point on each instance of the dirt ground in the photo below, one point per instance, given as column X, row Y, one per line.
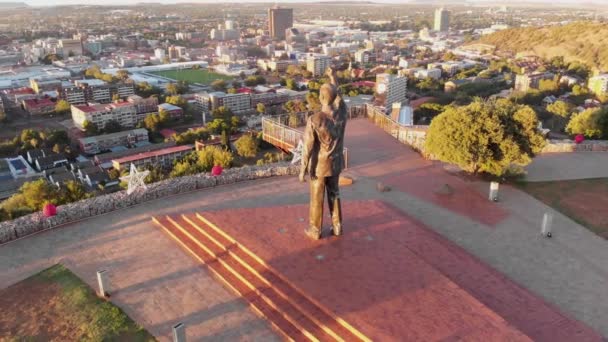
column 584, row 200
column 60, row 307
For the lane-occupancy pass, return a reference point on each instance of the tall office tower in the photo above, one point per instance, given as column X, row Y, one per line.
column 442, row 20
column 279, row 20
column 391, row 89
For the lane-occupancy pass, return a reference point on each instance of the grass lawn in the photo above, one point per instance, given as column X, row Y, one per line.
column 583, row 200
column 192, row 76
column 55, row 305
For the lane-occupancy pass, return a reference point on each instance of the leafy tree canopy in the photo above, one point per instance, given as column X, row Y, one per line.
column 485, row 136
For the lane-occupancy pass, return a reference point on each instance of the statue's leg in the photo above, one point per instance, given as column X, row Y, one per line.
column 333, row 200
column 317, row 192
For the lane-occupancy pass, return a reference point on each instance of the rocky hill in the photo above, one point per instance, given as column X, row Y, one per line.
column 585, row 42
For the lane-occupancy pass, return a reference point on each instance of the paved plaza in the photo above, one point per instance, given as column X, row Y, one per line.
column 567, row 166
column 157, row 284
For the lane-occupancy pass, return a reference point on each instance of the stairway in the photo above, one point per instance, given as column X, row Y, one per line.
column 289, row 311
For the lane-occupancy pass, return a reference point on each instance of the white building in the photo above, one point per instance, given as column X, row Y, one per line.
column 392, row 87
column 433, row 73
column 442, row 20
column 124, row 113
column 362, row 56
column 160, row 54
column 317, row 64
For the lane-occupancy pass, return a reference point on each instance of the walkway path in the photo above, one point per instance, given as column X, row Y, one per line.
column 157, row 284
column 566, row 166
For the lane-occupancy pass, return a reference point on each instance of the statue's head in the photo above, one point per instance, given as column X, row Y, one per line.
column 327, row 94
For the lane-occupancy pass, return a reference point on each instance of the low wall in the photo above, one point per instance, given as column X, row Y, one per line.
column 557, row 146
column 36, row 222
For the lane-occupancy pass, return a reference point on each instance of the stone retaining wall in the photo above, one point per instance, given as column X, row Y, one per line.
column 556, row 146
column 30, row 224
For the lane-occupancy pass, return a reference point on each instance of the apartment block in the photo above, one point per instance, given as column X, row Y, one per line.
column 124, row 113
column 526, row 82
column 163, row 158
column 391, row 88
column 143, row 107
column 237, row 103
column 100, row 143
column 317, row 64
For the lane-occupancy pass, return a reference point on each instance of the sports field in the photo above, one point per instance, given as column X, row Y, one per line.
column 192, row 76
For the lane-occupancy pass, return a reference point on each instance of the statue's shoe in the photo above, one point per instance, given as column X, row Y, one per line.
column 337, row 231
column 312, row 233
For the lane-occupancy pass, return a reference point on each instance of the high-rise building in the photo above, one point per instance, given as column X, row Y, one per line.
column 70, row 47
column 442, row 20
column 317, row 64
column 160, row 54
column 279, row 20
column 598, row 85
column 229, row 25
column 391, row 89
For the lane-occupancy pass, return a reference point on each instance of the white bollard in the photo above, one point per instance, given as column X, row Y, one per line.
column 179, row 332
column 494, row 191
column 104, row 284
column 547, row 223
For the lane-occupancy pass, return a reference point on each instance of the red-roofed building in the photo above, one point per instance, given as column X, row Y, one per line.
column 370, row 84
column 244, row 90
column 167, row 133
column 163, row 158
column 419, row 102
column 38, row 106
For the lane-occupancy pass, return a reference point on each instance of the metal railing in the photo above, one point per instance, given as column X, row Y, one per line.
column 285, row 137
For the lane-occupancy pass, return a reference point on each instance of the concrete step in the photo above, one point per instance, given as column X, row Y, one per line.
column 334, row 326
column 283, row 316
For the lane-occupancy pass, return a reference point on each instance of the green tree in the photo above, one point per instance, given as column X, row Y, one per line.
column 589, row 123
column 62, row 107
column 152, row 122
column 560, row 108
column 122, row 74
column 145, row 89
column 260, row 108
column 218, row 85
column 291, row 84
column 246, row 146
column 112, row 126
column 202, row 161
column 548, row 86
column 177, row 100
column 90, row 128
column 39, row 192
column 485, row 136
column 73, row 191
column 172, row 89
column 577, row 90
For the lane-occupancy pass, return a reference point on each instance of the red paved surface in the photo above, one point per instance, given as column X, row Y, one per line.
column 379, row 155
column 394, row 279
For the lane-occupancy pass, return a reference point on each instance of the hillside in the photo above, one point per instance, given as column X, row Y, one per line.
column 586, row 42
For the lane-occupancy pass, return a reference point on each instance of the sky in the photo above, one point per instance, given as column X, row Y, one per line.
column 126, row 2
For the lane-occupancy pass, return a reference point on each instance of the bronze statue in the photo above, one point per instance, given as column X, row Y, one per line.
column 323, row 157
